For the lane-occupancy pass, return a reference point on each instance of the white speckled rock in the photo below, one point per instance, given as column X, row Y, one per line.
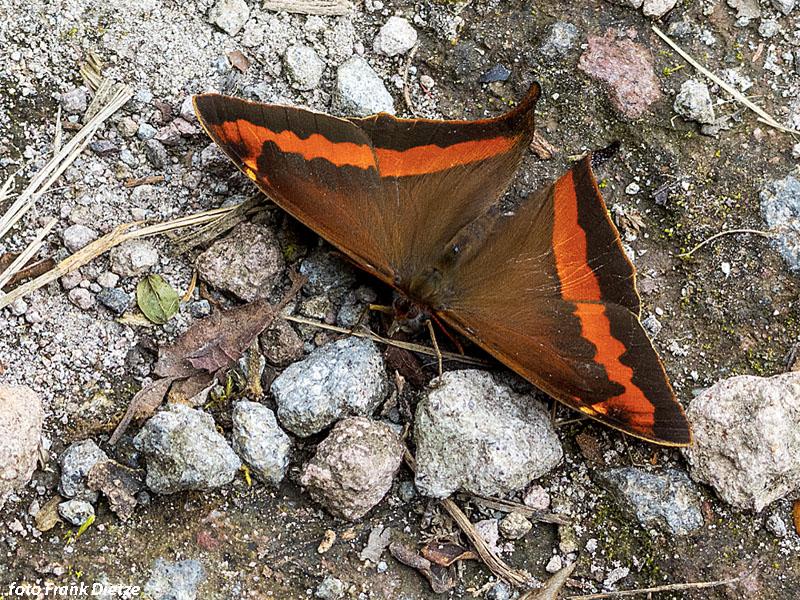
column 21, row 418
column 230, row 15
column 133, row 258
column 397, row 36
column 304, row 66
column 359, row 90
column 747, row 439
column 184, row 451
column 658, row 8
column 344, row 378
column 76, row 462
column 259, row 441
column 481, row 437
column 353, row 467
column 693, row 102
column 780, row 207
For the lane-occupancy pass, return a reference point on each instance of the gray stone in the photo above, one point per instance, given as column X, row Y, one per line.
column 146, row 132
column 693, row 102
column 746, row 11
column 133, row 258
column 184, row 451
column 103, row 147
column 82, row 298
column 353, row 467
column 776, row 525
column 785, row 6
column 667, row 500
column 397, row 36
column 200, row 309
column 327, row 273
column 515, row 526
column 378, row 540
column 230, row 15
column 71, row 280
column 107, row 279
column 359, row 91
column 496, row 73
column 114, row 299
column 747, row 439
column 280, row 344
column 259, row 441
column 75, row 102
column 500, row 591
column 480, row 436
column 174, row 580
column 780, row 207
column 331, row 588
column 554, row 565
column 343, row 378
column 247, row 262
column 76, row 512
column 561, row 38
column 21, row 418
column 156, row 153
column 76, row 462
column 626, row 68
column 658, row 8
column 768, row 28
column 304, row 66
column 78, row 236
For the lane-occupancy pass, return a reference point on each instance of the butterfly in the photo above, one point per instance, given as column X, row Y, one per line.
column 544, row 286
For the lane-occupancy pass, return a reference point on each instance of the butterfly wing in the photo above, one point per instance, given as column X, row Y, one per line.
column 387, row 192
column 551, row 293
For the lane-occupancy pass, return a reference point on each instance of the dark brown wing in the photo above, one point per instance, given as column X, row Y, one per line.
column 388, row 192
column 551, row 294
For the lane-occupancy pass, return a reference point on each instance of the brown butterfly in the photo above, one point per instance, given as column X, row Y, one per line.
column 546, row 287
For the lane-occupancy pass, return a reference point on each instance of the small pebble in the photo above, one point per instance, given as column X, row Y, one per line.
column 82, row 298
column 633, row 189
column 554, row 565
column 78, row 236
column 76, row 512
column 115, row 299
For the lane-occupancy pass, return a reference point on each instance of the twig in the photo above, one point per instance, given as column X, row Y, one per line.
column 389, row 342
column 508, row 506
column 150, row 180
column 60, row 161
column 435, row 346
column 120, row 234
column 406, row 89
column 673, row 587
column 493, row 562
column 741, row 98
column 30, row 271
column 27, row 254
column 310, row 7
column 765, row 234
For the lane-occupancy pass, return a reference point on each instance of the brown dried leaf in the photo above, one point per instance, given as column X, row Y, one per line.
column 47, row 517
column 119, row 484
column 441, row 579
column 238, row 61
column 142, row 405
column 445, row 554
column 796, row 516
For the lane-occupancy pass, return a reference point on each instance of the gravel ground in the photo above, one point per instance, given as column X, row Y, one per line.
column 687, row 170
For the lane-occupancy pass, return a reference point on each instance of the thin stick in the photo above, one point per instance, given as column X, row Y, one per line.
column 40, row 182
column 493, row 562
column 120, row 234
column 765, row 116
column 673, row 587
column 406, row 89
column 435, row 345
column 27, row 254
column 508, row 506
column 382, row 340
column 765, row 234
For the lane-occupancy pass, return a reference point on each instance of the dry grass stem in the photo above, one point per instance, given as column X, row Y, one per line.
column 509, row 506
column 382, row 340
column 40, row 182
column 310, row 7
column 765, row 117
column 706, row 241
column 27, row 254
column 120, row 234
column 673, row 587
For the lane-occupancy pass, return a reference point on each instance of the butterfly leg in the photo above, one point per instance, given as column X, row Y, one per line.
column 432, row 331
column 450, row 337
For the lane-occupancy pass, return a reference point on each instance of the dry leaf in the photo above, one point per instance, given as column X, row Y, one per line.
column 142, row 405
column 47, row 517
column 119, row 484
column 238, row 61
column 440, row 578
column 157, row 299
column 796, row 516
column 445, row 554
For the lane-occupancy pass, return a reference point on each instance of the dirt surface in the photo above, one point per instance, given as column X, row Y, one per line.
column 259, row 543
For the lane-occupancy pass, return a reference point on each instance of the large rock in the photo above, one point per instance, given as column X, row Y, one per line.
column 21, row 418
column 353, row 467
column 359, row 90
column 76, row 462
column 247, row 262
column 184, row 451
column 747, row 439
column 665, row 500
column 344, row 378
column 626, row 68
column 780, row 207
column 479, row 436
column 260, row 442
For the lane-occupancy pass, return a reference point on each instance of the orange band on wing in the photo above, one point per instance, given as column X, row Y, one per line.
column 314, row 146
column 577, row 280
column 421, row 160
column 632, row 403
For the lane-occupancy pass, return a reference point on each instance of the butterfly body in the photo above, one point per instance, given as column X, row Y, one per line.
column 546, row 287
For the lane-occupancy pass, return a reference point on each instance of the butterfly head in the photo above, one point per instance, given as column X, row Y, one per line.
column 408, row 315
